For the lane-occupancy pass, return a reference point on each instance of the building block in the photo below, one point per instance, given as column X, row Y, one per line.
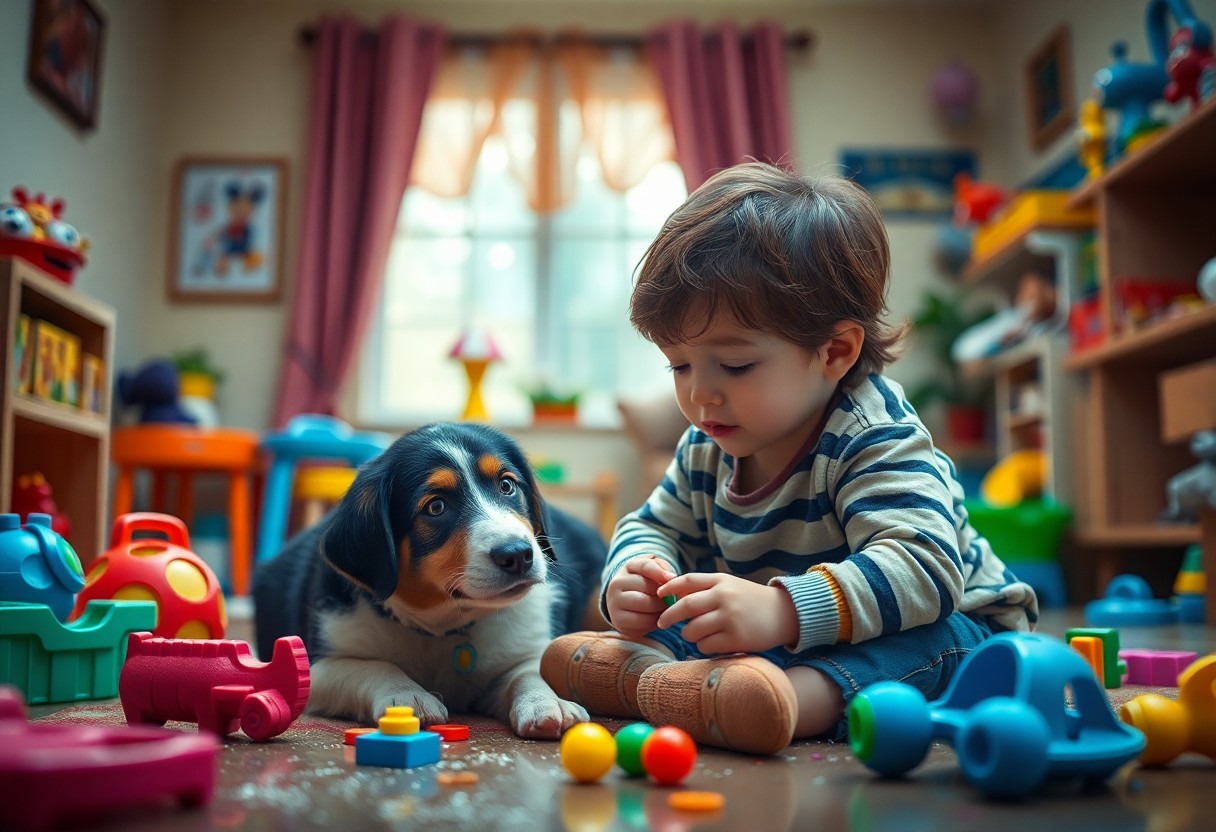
column 51, row 775
column 397, row 750
column 1090, row 649
column 216, row 683
column 1173, row 727
column 49, row 661
column 1156, row 667
column 1111, row 670
column 399, row 743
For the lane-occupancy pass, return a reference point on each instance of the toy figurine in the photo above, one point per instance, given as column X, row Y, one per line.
column 1194, row 488
column 32, row 229
column 1187, row 57
column 975, row 202
column 1091, row 138
column 1131, row 89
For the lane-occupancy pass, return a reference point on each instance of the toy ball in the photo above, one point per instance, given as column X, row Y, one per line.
column 588, row 751
column 668, row 755
column 954, row 90
column 37, row 566
column 629, row 741
column 187, row 594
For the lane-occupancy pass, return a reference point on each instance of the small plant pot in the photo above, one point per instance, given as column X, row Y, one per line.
column 565, row 413
column 199, row 385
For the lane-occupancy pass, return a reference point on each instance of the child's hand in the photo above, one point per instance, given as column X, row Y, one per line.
column 633, row 601
column 729, row 614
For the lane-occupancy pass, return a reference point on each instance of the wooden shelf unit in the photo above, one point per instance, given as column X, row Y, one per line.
column 1054, row 252
column 69, row 446
column 1156, row 210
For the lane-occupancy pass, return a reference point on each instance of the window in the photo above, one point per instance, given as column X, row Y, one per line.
column 552, row 291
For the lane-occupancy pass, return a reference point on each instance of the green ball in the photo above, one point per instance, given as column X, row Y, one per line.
column 629, row 747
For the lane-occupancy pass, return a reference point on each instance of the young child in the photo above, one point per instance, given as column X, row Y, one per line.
column 807, row 521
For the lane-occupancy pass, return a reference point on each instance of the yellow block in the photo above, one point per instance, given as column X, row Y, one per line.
column 1015, row 478
column 398, row 721
column 1028, row 211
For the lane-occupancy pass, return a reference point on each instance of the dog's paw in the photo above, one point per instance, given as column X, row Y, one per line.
column 427, row 707
column 545, row 717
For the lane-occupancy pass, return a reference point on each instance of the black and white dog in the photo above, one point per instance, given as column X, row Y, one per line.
column 437, row 583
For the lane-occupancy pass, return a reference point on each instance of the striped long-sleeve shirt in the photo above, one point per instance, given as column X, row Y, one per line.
column 865, row 528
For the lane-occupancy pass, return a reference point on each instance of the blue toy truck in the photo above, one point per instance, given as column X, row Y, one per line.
column 1006, row 714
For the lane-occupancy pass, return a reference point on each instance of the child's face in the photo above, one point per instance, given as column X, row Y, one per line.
column 755, row 394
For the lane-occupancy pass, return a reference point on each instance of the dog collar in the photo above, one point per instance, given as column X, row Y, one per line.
column 462, row 630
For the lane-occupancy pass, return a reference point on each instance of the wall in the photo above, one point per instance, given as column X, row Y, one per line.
column 113, row 195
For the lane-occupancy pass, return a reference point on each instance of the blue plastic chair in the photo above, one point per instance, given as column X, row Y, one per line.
column 307, row 436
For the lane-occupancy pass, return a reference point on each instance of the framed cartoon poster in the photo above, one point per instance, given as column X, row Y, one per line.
column 1048, row 78
column 226, row 240
column 908, row 184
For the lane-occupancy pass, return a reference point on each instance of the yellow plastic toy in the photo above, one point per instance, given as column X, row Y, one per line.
column 1173, row 727
column 1017, row 477
column 1091, row 138
column 587, row 751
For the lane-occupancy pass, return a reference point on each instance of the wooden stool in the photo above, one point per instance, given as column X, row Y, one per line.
column 320, row 487
column 182, row 451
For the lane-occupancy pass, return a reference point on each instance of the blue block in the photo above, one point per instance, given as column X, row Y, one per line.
column 397, row 750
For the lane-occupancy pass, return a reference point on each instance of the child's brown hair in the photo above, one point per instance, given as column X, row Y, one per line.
column 786, row 254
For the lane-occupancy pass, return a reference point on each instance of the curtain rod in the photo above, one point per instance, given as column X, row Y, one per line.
column 798, row 41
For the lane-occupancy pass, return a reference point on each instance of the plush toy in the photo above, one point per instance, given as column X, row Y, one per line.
column 32, row 229
column 1034, row 306
column 155, row 389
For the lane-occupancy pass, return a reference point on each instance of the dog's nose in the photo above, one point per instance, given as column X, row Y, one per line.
column 514, row 558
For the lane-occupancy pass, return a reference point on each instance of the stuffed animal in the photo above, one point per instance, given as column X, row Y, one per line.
column 1194, row 488
column 155, row 389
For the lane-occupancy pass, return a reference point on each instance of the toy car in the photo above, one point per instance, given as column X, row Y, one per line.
column 1006, row 715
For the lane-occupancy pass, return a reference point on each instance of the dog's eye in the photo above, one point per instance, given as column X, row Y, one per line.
column 436, row 507
column 507, row 486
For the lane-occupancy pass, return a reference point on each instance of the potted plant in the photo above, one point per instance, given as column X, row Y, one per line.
column 939, row 322
column 196, row 374
column 550, row 405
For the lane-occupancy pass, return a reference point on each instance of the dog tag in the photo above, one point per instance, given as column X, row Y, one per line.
column 464, row 658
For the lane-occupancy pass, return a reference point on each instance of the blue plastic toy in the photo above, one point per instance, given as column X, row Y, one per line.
column 1129, row 88
column 1006, row 716
column 397, row 750
column 37, row 566
column 1129, row 602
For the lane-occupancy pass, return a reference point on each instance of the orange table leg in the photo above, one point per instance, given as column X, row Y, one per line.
column 124, row 491
column 185, row 496
column 239, row 531
column 160, row 490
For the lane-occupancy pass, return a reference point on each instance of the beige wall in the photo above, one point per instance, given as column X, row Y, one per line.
column 229, row 77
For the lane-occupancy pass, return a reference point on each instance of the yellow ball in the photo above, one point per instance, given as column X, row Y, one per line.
column 588, row 751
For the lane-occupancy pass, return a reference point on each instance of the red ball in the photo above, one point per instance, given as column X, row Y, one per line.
column 668, row 755
column 189, row 603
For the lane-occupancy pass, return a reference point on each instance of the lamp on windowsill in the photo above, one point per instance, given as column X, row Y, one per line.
column 475, row 350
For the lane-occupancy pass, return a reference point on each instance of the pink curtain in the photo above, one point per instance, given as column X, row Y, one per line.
column 726, row 94
column 368, row 93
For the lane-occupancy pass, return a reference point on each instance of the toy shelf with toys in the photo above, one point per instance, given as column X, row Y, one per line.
column 63, row 435
column 1155, row 208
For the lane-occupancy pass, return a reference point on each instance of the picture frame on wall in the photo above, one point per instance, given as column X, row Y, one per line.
column 64, row 62
column 227, row 229
column 1050, row 108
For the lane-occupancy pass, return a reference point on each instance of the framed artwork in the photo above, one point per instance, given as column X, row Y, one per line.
column 65, row 56
column 1049, row 102
column 226, row 239
column 909, row 184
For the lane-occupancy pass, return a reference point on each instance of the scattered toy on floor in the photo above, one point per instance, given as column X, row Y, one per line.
column 1159, row 668
column 216, row 683
column 399, row 743
column 668, row 755
column 587, row 751
column 1004, row 714
column 1174, row 727
column 37, row 565
column 696, row 801
column 52, row 775
column 629, row 742
column 162, row 569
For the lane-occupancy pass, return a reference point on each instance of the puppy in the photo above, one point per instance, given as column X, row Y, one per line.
column 437, row 582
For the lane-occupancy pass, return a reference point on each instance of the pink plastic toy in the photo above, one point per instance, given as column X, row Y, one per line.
column 51, row 774
column 215, row 683
column 1156, row 667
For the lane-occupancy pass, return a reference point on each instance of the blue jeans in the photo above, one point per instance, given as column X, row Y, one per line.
column 924, row 657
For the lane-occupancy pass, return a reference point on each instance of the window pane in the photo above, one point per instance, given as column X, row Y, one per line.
column 650, row 202
column 424, row 213
column 499, row 204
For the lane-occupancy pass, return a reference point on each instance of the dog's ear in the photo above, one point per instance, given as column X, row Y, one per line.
column 359, row 542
